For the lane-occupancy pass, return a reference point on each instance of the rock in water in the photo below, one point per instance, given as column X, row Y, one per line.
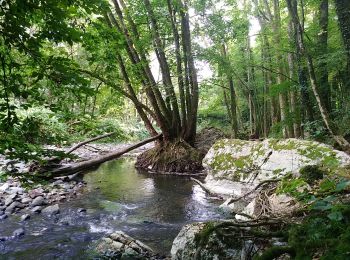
column 18, row 232
column 25, row 217
column 234, row 165
column 81, row 210
column 51, row 210
column 122, row 246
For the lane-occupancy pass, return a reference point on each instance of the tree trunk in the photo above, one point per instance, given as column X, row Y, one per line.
column 322, row 50
column 292, row 8
column 342, row 8
column 233, row 110
column 293, row 93
column 283, row 103
column 87, row 165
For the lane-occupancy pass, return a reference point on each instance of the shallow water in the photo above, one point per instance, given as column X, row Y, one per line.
column 151, row 208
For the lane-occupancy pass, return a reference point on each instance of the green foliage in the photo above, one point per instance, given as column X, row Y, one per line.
column 326, row 231
column 292, row 186
column 311, row 173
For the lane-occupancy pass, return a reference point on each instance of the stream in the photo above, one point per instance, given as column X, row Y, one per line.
column 151, row 208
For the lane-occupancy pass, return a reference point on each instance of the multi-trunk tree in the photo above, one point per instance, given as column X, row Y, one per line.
column 143, row 32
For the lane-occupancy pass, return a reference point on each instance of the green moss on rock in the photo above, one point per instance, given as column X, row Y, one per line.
column 311, row 173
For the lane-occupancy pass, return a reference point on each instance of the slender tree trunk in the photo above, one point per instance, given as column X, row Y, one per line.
column 342, row 8
column 292, row 8
column 234, row 123
column 279, row 60
column 293, row 94
column 325, row 92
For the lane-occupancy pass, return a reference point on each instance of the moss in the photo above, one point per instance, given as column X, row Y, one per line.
column 202, row 237
column 311, row 173
column 275, row 252
column 277, row 171
column 279, row 145
column 222, row 161
column 316, row 152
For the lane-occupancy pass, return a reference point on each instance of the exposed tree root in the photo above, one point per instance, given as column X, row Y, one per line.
column 177, row 156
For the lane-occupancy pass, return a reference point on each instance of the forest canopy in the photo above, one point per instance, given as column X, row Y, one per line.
column 251, row 68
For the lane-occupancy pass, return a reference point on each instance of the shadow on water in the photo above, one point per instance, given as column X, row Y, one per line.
column 151, row 208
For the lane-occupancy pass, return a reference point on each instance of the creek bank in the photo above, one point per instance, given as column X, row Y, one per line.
column 260, row 181
column 29, row 198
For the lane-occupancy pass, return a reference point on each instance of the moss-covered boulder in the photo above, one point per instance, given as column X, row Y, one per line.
column 200, row 241
column 235, row 166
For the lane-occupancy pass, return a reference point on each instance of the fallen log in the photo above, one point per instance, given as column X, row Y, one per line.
column 86, row 165
column 89, row 141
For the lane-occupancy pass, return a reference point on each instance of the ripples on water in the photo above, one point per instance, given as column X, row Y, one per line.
column 151, row 208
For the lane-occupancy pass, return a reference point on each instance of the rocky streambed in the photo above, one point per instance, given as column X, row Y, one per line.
column 119, row 213
column 115, row 197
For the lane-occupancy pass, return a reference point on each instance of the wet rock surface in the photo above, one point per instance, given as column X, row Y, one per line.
column 15, row 199
column 119, row 245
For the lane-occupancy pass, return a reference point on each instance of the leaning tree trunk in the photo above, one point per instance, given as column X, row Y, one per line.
column 88, row 165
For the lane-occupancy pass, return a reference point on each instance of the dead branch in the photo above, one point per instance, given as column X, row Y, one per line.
column 75, row 147
column 250, row 192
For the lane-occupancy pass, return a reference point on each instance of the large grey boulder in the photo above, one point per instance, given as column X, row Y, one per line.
column 235, row 166
column 199, row 241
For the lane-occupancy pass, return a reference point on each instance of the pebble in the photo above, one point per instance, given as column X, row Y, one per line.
column 18, row 232
column 9, row 200
column 52, row 210
column 13, row 197
column 4, row 187
column 81, row 210
column 25, row 217
column 38, row 201
column 26, row 200
column 37, row 209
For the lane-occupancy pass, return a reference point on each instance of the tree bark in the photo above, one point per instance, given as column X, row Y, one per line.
column 325, row 91
column 342, row 8
column 84, row 166
column 75, row 147
column 292, row 8
column 233, row 105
